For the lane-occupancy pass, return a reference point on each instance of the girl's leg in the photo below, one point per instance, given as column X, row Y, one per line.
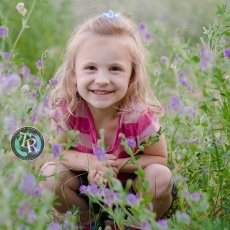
column 160, row 185
column 64, row 184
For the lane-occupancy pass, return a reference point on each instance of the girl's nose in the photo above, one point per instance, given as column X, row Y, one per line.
column 102, row 79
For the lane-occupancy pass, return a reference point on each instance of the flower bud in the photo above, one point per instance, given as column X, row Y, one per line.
column 21, row 9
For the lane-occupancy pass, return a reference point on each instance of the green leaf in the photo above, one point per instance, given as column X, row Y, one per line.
column 29, row 111
column 196, row 59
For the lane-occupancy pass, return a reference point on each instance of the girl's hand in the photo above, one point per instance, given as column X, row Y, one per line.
column 95, row 178
column 103, row 167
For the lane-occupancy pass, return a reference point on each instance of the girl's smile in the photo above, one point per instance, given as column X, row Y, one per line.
column 103, row 69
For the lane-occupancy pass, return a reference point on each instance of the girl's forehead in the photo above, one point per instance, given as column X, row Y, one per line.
column 123, row 42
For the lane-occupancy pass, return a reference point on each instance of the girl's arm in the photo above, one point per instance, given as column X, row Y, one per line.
column 154, row 154
column 79, row 161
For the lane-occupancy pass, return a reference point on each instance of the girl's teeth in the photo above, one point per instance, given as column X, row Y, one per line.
column 100, row 92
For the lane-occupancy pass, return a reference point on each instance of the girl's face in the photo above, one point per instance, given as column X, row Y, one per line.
column 103, row 69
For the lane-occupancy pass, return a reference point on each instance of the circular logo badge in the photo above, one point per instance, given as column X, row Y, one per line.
column 27, row 143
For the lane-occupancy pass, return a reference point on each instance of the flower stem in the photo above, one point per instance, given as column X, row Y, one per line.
column 23, row 27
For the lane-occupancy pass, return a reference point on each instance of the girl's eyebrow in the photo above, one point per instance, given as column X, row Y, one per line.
column 116, row 63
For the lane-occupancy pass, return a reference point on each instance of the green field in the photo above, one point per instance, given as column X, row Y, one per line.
column 189, row 68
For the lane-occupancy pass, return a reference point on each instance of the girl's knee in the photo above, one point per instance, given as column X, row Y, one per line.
column 52, row 171
column 160, row 179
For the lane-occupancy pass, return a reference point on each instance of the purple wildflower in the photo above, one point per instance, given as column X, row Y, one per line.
column 33, row 117
column 53, row 81
column 28, row 183
column 227, row 53
column 48, row 86
column 182, row 80
column 36, row 192
column 176, row 59
column 195, row 196
column 162, row 223
column 25, row 210
column 1, row 67
column 83, row 189
column 40, row 64
column 94, row 189
column 8, row 82
column 176, row 104
column 146, row 225
column 186, row 193
column 34, row 95
column 131, row 142
column 190, row 141
column 205, row 170
column 54, row 226
column 66, row 225
column 100, row 153
column 10, row 124
column 109, row 197
column 31, row 216
column 3, row 32
column 206, row 57
column 5, row 54
column 56, row 150
column 37, row 82
column 142, row 27
column 25, row 89
column 224, row 40
column 183, row 217
column 132, row 199
column 148, row 37
column 164, row 59
column 25, row 71
column 21, row 227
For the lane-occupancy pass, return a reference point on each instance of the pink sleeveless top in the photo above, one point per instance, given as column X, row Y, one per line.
column 138, row 126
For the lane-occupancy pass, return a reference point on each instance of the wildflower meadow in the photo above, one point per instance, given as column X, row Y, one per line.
column 188, row 44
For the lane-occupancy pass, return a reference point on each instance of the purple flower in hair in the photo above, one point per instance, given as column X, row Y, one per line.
column 227, row 53
column 111, row 15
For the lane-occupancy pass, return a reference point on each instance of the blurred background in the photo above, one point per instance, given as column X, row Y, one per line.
column 52, row 21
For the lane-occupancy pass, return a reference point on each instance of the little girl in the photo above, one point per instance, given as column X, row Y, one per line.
column 103, row 84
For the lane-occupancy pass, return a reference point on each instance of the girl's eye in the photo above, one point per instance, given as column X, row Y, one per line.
column 90, row 68
column 115, row 68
